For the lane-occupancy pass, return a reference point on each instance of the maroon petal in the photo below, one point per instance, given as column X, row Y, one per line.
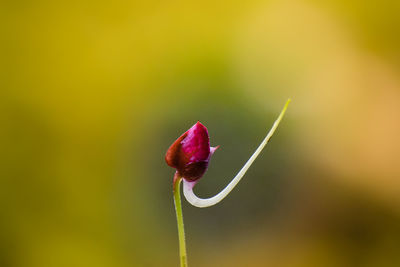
column 194, row 171
column 175, row 156
column 196, row 145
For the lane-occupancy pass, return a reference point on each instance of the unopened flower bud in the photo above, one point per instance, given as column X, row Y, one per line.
column 191, row 152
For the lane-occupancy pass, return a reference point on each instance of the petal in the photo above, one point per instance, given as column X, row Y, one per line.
column 194, row 171
column 196, row 145
column 174, row 156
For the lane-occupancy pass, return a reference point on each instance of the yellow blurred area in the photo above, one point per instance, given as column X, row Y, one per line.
column 92, row 93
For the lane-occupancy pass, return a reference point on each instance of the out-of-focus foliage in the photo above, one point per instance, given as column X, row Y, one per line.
column 92, row 93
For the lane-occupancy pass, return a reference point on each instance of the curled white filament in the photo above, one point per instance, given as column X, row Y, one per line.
column 207, row 202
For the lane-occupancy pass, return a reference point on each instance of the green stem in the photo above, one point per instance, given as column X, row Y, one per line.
column 179, row 219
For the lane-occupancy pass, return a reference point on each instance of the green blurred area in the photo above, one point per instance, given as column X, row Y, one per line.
column 93, row 93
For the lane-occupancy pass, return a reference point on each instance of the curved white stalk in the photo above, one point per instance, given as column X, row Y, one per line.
column 203, row 203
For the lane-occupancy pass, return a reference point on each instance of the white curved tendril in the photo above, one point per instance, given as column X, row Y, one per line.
column 207, row 202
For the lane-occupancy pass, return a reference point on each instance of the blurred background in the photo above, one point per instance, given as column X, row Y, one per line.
column 92, row 93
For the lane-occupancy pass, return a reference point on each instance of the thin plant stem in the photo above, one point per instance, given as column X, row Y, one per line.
column 207, row 202
column 179, row 219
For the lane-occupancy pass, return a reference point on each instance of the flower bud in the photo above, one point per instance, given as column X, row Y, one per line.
column 191, row 152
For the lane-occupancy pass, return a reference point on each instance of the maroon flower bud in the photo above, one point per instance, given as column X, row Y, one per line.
column 191, row 152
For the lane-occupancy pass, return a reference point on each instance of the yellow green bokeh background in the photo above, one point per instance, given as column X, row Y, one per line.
column 92, row 93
